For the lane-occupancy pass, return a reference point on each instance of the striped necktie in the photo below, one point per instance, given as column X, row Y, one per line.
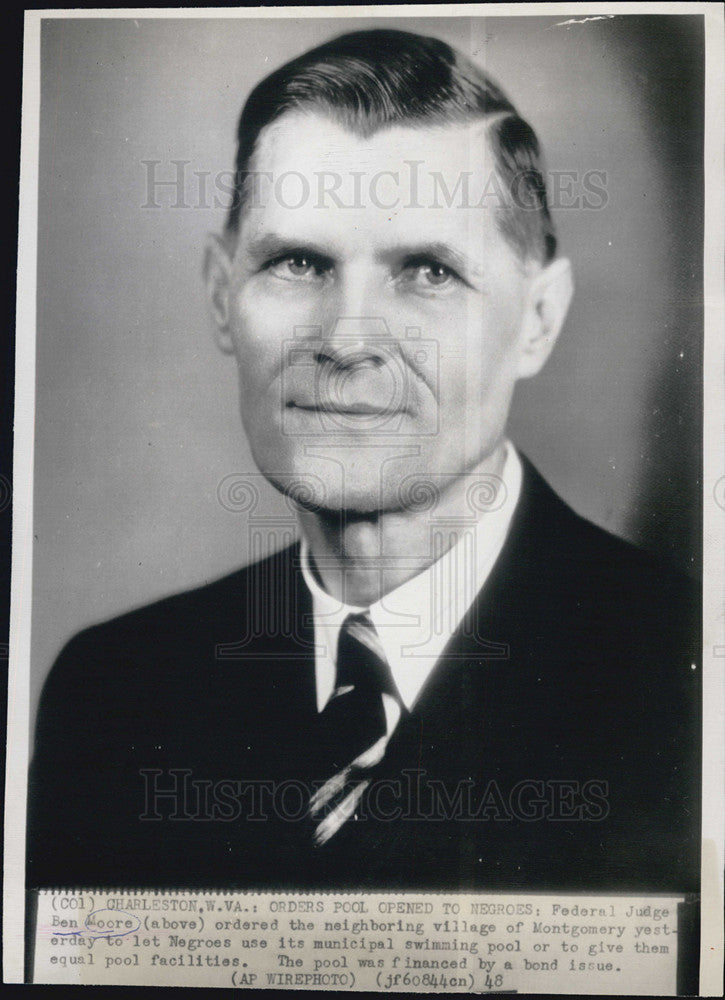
column 353, row 728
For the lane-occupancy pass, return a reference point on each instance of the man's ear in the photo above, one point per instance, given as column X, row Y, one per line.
column 217, row 275
column 550, row 293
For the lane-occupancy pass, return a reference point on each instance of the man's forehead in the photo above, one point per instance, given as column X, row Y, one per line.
column 314, row 178
column 312, row 140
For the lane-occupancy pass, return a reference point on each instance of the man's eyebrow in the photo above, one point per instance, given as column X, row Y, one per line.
column 437, row 251
column 270, row 245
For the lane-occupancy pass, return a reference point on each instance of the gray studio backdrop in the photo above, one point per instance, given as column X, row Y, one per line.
column 137, row 412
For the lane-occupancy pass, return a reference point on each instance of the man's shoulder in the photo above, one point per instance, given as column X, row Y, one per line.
column 213, row 601
column 185, row 628
column 575, row 553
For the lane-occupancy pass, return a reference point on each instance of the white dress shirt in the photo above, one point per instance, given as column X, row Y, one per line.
column 416, row 620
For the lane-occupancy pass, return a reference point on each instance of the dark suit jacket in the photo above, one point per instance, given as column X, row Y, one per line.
column 555, row 746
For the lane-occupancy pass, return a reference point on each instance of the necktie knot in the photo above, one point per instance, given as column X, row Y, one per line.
column 361, row 662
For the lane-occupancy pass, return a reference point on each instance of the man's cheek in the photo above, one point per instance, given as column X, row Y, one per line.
column 257, row 370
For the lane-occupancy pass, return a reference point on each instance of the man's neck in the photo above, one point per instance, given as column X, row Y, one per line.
column 359, row 558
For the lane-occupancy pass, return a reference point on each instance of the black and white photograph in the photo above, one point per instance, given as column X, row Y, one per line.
column 370, row 493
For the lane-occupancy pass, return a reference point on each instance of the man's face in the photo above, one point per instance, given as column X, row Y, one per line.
column 377, row 347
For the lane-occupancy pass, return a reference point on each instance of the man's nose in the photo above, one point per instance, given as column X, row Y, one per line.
column 355, row 328
column 355, row 341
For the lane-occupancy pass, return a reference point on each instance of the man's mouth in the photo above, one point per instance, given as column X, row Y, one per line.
column 361, row 408
column 358, row 392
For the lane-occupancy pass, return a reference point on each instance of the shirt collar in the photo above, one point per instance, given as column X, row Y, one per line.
column 416, row 620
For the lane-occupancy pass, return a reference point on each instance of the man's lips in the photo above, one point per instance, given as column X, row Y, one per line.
column 355, row 409
column 360, row 391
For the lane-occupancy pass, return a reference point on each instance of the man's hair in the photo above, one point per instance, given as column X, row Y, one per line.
column 367, row 80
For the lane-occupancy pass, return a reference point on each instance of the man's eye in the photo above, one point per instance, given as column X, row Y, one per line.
column 429, row 274
column 298, row 266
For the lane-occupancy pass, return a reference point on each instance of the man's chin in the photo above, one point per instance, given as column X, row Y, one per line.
column 354, row 481
column 308, row 491
column 332, row 502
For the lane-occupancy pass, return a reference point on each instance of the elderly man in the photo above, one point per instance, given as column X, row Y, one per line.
column 451, row 680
